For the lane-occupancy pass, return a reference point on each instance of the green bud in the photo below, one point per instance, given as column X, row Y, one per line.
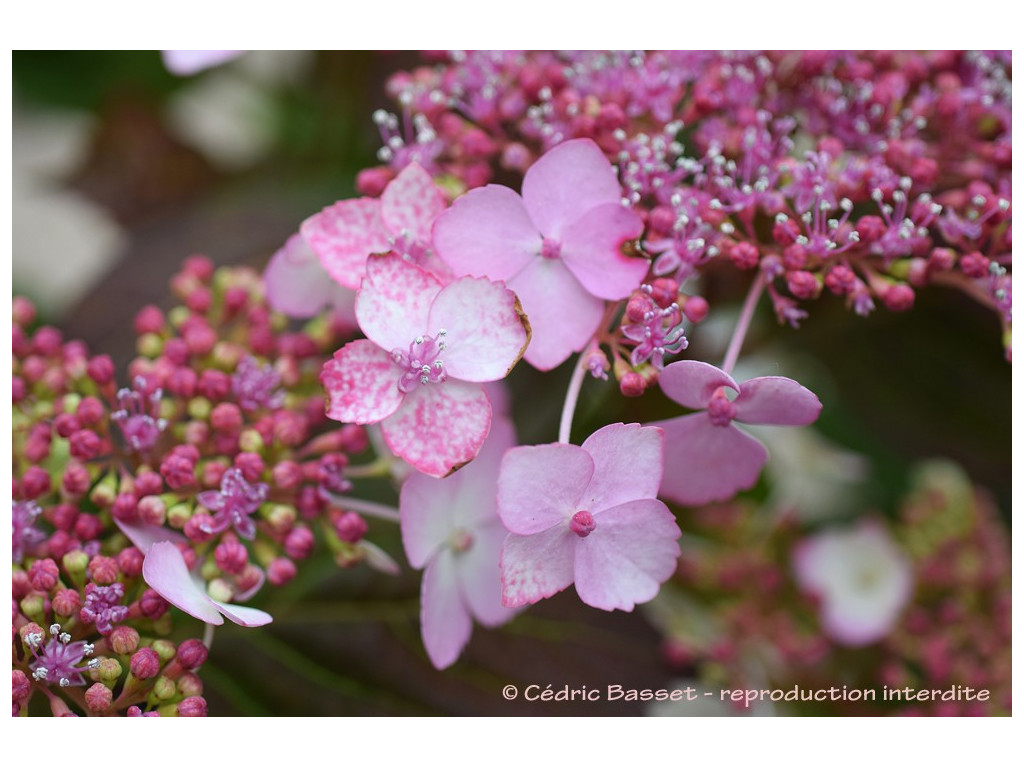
column 281, row 516
column 177, row 316
column 165, row 649
column 75, row 563
column 189, row 684
column 226, row 355
column 149, row 345
column 250, row 441
column 164, row 689
column 69, row 403
column 209, row 570
column 179, row 514
column 199, row 408
column 34, row 607
column 109, row 671
column 220, row 590
column 105, row 491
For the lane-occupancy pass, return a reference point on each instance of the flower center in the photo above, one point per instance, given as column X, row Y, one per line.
column 720, row 410
column 461, row 540
column 582, row 524
column 422, row 364
column 550, row 248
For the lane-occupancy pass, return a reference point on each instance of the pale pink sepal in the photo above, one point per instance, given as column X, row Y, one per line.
column 567, row 182
column 438, row 428
column 479, row 351
column 592, row 250
column 705, row 463
column 344, row 234
column 776, row 400
column 144, row 535
column 692, row 383
column 540, row 486
column 189, row 62
column 164, row 570
column 537, row 566
column 445, row 623
column 393, row 303
column 297, row 285
column 632, row 551
column 361, row 382
column 411, row 202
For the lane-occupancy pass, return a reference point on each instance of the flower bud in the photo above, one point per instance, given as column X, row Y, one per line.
column 231, row 555
column 350, row 527
column 109, row 670
column 189, row 684
column 152, row 605
column 66, row 602
column 98, row 697
column 44, row 574
column 281, row 571
column 164, row 689
column 75, row 563
column 165, row 649
column 632, row 384
column 299, row 542
column 744, row 255
column 130, row 560
column 123, row 640
column 695, row 308
column 192, row 654
column 144, row 664
column 193, row 706
column 103, row 570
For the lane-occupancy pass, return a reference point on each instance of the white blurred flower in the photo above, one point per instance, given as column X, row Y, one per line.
column 862, row 578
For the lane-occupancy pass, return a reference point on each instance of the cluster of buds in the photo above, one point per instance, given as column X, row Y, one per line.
column 906, row 180
column 954, row 630
column 219, row 445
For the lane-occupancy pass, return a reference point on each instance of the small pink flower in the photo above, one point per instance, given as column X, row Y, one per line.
column 861, row 577
column 164, row 570
column 297, row 284
column 587, row 514
column 420, row 370
column 708, row 458
column 343, row 235
column 558, row 246
column 450, row 527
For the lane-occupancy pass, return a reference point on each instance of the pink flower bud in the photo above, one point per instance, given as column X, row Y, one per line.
column 286, row 475
column 47, row 341
column 280, row 571
column 251, row 465
column 85, row 444
column 65, row 424
column 871, row 229
column 192, row 654
column 199, row 528
column 638, row 306
column 20, row 686
column 176, row 351
column 152, row 605
column 193, row 706
column 130, row 562
column 802, row 284
column 152, row 510
column 231, row 555
column 88, row 527
column 299, row 542
column 98, row 697
column 664, row 291
column 198, row 266
column 75, row 481
column 974, row 264
column 123, row 640
column 841, row 280
column 695, row 308
column 148, row 483
column 350, row 527
column 899, row 298
column 90, row 411
column 35, row 482
column 103, row 570
column 44, row 574
column 632, row 384
column 66, row 602
column 182, row 382
column 226, row 417
column 744, row 255
column 149, row 319
column 101, row 369
column 125, row 507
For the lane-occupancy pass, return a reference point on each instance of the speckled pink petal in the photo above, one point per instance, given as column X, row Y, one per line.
column 537, row 566
column 164, row 570
column 592, row 250
column 705, row 463
column 243, row 615
column 439, row 427
column 411, row 202
column 632, row 550
column 361, row 382
column 627, row 465
column 486, row 329
column 487, row 233
column 444, row 621
column 562, row 315
column 540, row 486
column 297, row 285
column 565, row 183
column 425, row 507
column 692, row 383
column 343, row 235
column 776, row 400
column 480, row 576
column 394, row 300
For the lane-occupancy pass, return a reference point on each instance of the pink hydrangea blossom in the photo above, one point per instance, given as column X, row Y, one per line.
column 861, row 577
column 297, row 284
column 450, row 527
column 587, row 515
column 421, row 369
column 708, row 458
column 164, row 570
column 344, row 234
column 558, row 246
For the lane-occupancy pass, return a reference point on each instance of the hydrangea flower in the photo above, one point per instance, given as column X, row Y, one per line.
column 587, row 515
column 559, row 246
column 138, row 415
column 297, row 284
column 420, row 370
column 256, row 386
column 103, row 606
column 57, row 661
column 165, row 571
column 24, row 534
column 861, row 577
column 708, row 458
column 343, row 235
column 450, row 527
column 234, row 504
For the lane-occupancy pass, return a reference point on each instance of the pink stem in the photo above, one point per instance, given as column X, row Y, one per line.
column 572, row 395
column 743, row 324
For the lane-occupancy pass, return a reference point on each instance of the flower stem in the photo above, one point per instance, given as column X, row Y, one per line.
column 370, row 508
column 743, row 324
column 571, row 396
column 208, row 636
